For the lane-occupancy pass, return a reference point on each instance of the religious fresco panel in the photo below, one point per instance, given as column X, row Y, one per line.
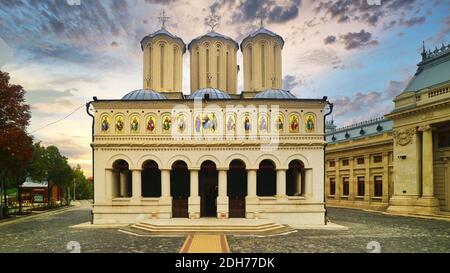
column 150, row 124
column 135, row 123
column 120, row 124
column 166, row 123
column 105, row 123
column 310, row 123
column 294, row 125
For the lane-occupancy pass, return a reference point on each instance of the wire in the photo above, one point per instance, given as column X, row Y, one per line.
column 51, row 123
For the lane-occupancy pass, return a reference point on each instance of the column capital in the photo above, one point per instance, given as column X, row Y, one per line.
column 223, row 169
column 424, row 128
column 109, row 169
column 165, row 169
column 281, row 169
column 194, row 169
column 136, row 170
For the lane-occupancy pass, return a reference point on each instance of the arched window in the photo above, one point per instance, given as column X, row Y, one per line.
column 250, row 62
column 122, row 180
column 198, row 69
column 175, row 68
column 218, row 67
column 266, row 179
column 162, row 65
column 295, row 182
column 263, row 65
column 208, row 75
column 151, row 179
column 227, row 72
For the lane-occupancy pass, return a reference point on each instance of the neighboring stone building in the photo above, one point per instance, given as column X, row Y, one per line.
column 405, row 164
column 214, row 153
column 359, row 164
column 422, row 138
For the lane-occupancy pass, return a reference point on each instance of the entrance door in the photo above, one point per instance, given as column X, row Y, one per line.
column 237, row 189
column 208, row 189
column 180, row 189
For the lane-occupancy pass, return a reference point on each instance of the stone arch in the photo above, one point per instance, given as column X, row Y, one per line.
column 114, row 158
column 273, row 158
column 176, row 158
column 211, row 158
column 298, row 157
column 241, row 157
column 145, row 158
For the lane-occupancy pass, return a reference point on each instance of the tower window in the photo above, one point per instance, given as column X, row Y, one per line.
column 162, row 65
column 218, row 68
column 263, row 66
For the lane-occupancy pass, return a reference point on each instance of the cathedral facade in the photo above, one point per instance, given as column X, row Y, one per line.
column 216, row 152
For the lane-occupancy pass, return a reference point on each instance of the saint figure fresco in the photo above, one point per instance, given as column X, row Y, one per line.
column 105, row 123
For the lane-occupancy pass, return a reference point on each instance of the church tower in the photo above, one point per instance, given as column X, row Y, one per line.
column 163, row 60
column 262, row 60
column 213, row 60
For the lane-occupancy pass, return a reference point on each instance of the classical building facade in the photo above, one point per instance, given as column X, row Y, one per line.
column 159, row 153
column 359, row 165
column 422, row 138
column 403, row 159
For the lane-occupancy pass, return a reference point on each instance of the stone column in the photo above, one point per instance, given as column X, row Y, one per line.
column 109, row 180
column 385, row 197
column 351, row 180
column 194, row 198
column 165, row 202
column 123, row 184
column 367, row 190
column 281, row 184
column 427, row 203
column 222, row 199
column 137, row 186
column 251, row 200
column 337, row 181
column 427, row 162
column 309, row 183
column 298, row 183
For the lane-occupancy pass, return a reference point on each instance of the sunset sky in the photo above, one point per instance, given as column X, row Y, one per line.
column 63, row 52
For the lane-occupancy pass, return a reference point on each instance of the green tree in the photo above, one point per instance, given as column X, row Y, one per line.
column 15, row 143
column 83, row 188
column 58, row 171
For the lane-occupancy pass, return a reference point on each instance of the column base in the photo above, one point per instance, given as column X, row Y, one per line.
column 427, row 205
column 402, row 204
column 194, row 207
column 251, row 207
column 222, row 207
column 282, row 198
column 165, row 207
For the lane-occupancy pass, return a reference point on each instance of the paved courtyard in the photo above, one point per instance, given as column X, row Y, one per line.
column 52, row 233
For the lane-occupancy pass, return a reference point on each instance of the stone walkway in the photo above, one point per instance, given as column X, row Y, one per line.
column 205, row 244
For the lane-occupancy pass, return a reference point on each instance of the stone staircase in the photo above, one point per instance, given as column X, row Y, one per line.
column 250, row 227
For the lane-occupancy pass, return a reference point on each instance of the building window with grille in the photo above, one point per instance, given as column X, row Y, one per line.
column 378, row 185
column 345, row 186
column 345, row 162
column 332, row 163
column 332, row 186
column 377, row 159
column 360, row 160
column 361, row 185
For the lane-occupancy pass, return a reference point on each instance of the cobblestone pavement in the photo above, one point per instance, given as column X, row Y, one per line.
column 393, row 233
column 51, row 233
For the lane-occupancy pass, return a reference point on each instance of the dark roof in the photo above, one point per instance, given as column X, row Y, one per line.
column 275, row 94
column 162, row 32
column 263, row 31
column 213, row 34
column 214, row 94
column 142, row 94
column 432, row 70
column 359, row 130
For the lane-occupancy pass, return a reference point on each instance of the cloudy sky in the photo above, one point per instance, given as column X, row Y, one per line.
column 359, row 53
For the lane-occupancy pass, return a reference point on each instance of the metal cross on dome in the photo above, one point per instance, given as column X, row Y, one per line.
column 261, row 18
column 163, row 19
column 212, row 21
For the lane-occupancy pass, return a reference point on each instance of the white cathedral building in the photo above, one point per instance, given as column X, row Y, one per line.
column 217, row 152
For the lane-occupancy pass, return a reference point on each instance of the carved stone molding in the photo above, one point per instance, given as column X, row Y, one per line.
column 424, row 128
column 404, row 136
